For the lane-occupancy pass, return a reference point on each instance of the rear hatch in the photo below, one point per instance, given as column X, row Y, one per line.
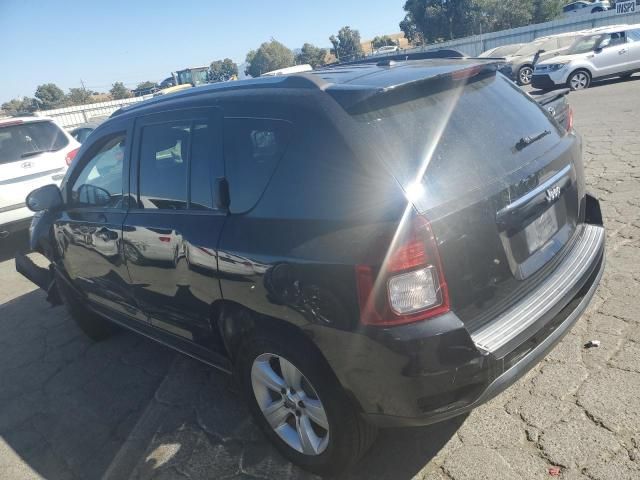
column 32, row 154
column 498, row 178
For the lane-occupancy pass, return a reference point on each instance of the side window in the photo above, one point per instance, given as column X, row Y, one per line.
column 252, row 150
column 550, row 45
column 163, row 166
column 617, row 39
column 99, row 183
column 634, row 35
column 177, row 166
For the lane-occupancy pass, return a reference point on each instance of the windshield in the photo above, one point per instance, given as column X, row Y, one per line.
column 585, row 44
column 404, row 132
column 20, row 141
column 529, row 49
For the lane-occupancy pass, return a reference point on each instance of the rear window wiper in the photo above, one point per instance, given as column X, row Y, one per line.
column 35, row 152
column 526, row 141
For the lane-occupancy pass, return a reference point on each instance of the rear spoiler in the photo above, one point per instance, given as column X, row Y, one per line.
column 359, row 100
column 552, row 96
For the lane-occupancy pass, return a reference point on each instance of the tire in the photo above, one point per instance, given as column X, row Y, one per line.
column 336, row 434
column 525, row 73
column 579, row 80
column 92, row 325
column 597, row 9
column 626, row 75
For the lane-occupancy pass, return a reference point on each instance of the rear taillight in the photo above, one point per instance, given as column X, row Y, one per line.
column 570, row 119
column 410, row 286
column 71, row 155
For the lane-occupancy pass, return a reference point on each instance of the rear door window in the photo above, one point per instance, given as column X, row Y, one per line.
column 25, row 140
column 179, row 160
column 252, row 149
column 163, row 166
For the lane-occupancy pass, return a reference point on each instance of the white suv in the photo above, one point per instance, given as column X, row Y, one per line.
column 597, row 54
column 34, row 151
column 585, row 7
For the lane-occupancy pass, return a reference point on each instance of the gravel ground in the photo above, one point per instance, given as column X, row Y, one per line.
column 128, row 408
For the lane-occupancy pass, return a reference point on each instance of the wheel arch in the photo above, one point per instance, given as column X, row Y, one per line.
column 235, row 322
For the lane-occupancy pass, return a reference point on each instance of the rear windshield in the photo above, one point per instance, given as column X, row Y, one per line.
column 455, row 140
column 18, row 142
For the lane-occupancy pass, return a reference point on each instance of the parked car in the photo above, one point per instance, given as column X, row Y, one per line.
column 501, row 52
column 81, row 132
column 603, row 53
column 386, row 50
column 522, row 61
column 34, row 151
column 391, row 260
column 585, row 7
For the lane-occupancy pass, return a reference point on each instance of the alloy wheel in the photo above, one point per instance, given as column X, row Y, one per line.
column 525, row 75
column 290, row 404
column 579, row 81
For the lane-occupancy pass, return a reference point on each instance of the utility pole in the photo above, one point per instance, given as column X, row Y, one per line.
column 82, row 83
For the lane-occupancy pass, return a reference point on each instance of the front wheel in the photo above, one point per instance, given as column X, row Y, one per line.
column 525, row 75
column 299, row 404
column 579, row 80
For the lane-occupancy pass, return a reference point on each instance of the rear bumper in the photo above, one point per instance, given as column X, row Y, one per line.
column 548, row 82
column 514, row 371
column 430, row 371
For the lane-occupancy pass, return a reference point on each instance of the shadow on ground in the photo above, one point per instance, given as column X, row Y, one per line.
column 69, row 408
column 13, row 243
column 67, row 404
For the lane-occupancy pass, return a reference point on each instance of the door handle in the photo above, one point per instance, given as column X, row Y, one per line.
column 620, row 52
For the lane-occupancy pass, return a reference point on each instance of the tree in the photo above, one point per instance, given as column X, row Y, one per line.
column 382, row 41
column 49, row 96
column 502, row 14
column 271, row 55
column 546, row 10
column 410, row 29
column 438, row 20
column 79, row 96
column 19, row 105
column 223, row 70
column 346, row 46
column 119, row 91
column 314, row 56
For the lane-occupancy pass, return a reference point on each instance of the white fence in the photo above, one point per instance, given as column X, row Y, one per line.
column 69, row 117
column 477, row 44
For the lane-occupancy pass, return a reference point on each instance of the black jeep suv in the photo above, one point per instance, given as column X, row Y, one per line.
column 363, row 246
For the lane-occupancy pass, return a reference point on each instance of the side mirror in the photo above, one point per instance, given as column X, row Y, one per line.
column 597, row 50
column 44, row 198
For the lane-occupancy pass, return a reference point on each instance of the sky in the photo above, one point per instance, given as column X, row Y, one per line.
column 101, row 42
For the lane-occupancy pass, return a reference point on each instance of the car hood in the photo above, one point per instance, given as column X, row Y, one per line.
column 562, row 59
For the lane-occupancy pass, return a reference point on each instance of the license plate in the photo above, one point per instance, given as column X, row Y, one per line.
column 541, row 230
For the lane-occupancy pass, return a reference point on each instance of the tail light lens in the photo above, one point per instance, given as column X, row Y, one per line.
column 570, row 120
column 71, row 155
column 410, row 286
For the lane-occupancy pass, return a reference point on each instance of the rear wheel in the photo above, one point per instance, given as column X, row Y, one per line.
column 579, row 80
column 92, row 325
column 597, row 9
column 299, row 404
column 525, row 73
